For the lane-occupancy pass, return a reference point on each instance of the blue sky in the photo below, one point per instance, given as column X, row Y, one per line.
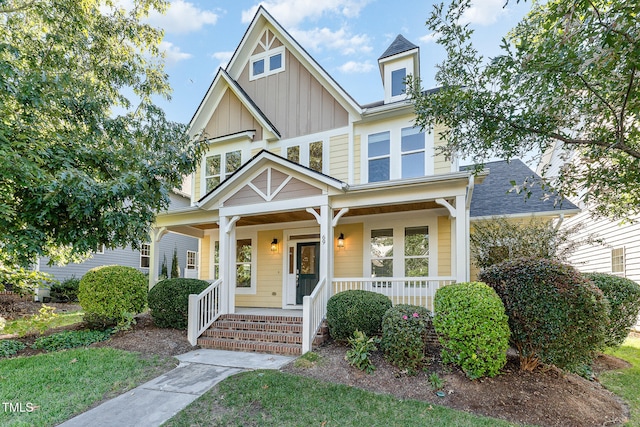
column 345, row 36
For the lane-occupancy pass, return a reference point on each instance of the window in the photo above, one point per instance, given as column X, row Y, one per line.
column 216, row 170
column 398, row 81
column 293, row 153
column 191, row 260
column 243, row 263
column 412, row 152
column 617, row 260
column 99, row 250
column 145, row 255
column 315, row 156
column 212, row 172
column 382, row 253
column 233, row 161
column 379, row 156
column 216, row 260
column 416, row 251
column 267, row 63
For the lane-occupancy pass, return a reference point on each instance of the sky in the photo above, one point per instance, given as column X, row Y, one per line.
column 345, row 37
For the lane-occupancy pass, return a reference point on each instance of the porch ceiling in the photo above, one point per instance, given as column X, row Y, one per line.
column 373, row 210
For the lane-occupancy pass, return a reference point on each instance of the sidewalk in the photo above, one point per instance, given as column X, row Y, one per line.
column 156, row 401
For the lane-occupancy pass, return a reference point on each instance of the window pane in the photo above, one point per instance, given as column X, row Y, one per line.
column 397, row 81
column 413, row 165
column 416, row 267
column 233, row 160
column 216, row 252
column 379, row 170
column 243, row 275
column 293, row 153
column 617, row 260
column 412, row 139
column 275, row 62
column 382, row 243
column 212, row 183
column 315, row 156
column 382, row 267
column 243, row 250
column 258, row 67
column 416, row 241
column 379, row 144
column 212, row 165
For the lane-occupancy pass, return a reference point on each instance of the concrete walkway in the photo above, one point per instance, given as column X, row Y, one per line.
column 156, row 401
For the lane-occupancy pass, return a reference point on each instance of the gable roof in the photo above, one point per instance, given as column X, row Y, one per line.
column 399, row 45
column 494, row 198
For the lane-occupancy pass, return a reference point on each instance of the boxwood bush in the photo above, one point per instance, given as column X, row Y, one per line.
column 404, row 336
column 65, row 291
column 169, row 301
column 109, row 295
column 356, row 310
column 624, row 304
column 472, row 328
column 556, row 315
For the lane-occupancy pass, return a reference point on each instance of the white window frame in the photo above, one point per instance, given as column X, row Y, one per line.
column 380, row 157
column 620, row 268
column 99, row 250
column 253, row 236
column 266, row 56
column 389, row 68
column 224, row 173
column 145, row 252
column 423, row 150
column 305, row 142
column 194, row 264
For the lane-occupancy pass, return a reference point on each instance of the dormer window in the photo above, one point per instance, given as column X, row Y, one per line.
column 398, row 85
column 399, row 61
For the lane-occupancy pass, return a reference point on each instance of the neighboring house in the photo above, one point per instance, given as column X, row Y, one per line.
column 619, row 252
column 303, row 192
column 186, row 247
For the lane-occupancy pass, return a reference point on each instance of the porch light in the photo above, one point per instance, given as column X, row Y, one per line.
column 274, row 245
column 341, row 240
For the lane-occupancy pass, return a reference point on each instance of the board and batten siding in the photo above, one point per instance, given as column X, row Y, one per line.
column 230, row 117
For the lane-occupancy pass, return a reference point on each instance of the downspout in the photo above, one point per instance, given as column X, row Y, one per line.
column 560, row 220
column 467, row 218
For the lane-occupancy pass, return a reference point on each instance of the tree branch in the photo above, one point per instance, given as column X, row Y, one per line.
column 18, row 8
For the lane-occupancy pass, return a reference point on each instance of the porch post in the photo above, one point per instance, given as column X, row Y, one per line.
column 228, row 262
column 155, row 235
column 223, row 267
column 326, row 243
column 461, row 240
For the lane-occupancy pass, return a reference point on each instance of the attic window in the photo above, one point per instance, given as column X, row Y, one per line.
column 397, row 81
column 267, row 63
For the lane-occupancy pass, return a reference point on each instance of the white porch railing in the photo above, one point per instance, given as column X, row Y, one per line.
column 204, row 309
column 314, row 309
column 400, row 290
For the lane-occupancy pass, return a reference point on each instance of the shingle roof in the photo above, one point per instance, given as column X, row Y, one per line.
column 492, row 197
column 399, row 45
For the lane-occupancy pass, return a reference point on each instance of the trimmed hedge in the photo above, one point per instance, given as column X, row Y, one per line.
column 356, row 310
column 169, row 301
column 556, row 315
column 111, row 294
column 65, row 291
column 624, row 304
column 404, row 336
column 472, row 328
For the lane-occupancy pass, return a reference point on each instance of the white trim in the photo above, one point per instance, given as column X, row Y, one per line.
column 274, row 207
column 242, row 234
column 286, row 244
column 266, row 57
column 565, row 212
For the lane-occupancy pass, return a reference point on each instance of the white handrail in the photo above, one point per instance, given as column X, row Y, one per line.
column 314, row 309
column 204, row 309
column 400, row 290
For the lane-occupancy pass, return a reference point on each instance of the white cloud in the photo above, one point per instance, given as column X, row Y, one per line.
column 172, row 53
column 429, row 38
column 290, row 13
column 484, row 12
column 223, row 57
column 341, row 40
column 182, row 17
column 353, row 67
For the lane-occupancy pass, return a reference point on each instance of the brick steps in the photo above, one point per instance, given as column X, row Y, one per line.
column 259, row 333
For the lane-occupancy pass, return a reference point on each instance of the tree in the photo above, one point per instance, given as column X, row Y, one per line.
column 568, row 74
column 86, row 158
column 175, row 266
column 163, row 270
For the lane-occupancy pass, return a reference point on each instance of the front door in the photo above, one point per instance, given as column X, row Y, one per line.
column 307, row 269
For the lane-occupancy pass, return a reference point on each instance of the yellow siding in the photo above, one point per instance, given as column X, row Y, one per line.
column 348, row 261
column 356, row 156
column 268, row 274
column 205, row 252
column 339, row 157
column 444, row 246
column 441, row 164
column 196, row 184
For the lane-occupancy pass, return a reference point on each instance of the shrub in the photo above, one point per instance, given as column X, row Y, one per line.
column 65, row 291
column 23, row 281
column 355, row 310
column 556, row 315
column 70, row 339
column 361, row 348
column 472, row 328
column 10, row 347
column 107, row 293
column 624, row 303
column 404, row 336
column 169, row 301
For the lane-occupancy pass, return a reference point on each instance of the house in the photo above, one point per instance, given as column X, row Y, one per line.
column 304, row 193
column 186, row 248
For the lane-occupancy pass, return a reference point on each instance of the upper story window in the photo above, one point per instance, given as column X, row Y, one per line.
column 398, row 86
column 397, row 154
column 379, row 145
column 310, row 155
column 218, row 167
column 266, row 63
column 412, row 152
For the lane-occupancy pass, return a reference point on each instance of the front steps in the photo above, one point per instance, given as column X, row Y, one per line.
column 259, row 333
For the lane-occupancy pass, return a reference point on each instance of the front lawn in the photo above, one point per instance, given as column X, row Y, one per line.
column 625, row 383
column 61, row 319
column 272, row 398
column 47, row 389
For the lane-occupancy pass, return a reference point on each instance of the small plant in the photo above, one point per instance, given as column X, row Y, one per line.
column 353, row 310
column 307, row 360
column 38, row 323
column 70, row 339
column 10, row 347
column 361, row 348
column 436, row 382
column 163, row 270
column 175, row 267
column 65, row 291
column 126, row 322
column 404, row 336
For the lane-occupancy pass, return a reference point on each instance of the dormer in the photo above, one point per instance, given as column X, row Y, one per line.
column 401, row 59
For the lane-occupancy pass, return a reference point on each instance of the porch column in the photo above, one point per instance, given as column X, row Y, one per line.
column 461, row 240
column 326, row 243
column 228, row 262
column 155, row 235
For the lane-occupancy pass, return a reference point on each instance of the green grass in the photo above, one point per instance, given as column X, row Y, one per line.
column 626, row 382
column 273, row 398
column 62, row 319
column 66, row 383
